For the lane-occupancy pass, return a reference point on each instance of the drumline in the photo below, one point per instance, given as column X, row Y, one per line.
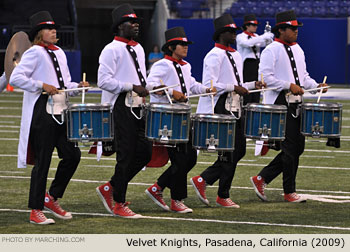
column 170, row 124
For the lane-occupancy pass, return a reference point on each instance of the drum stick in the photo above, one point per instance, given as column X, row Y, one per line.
column 316, row 89
column 212, row 96
column 199, row 95
column 71, row 89
column 166, row 92
column 83, row 94
column 164, row 88
column 261, row 90
column 319, row 96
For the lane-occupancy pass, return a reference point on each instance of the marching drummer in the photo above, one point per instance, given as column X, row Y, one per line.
column 283, row 67
column 223, row 66
column 170, row 70
column 43, row 67
column 122, row 70
column 248, row 45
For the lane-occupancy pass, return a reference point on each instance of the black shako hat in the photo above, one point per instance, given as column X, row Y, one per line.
column 285, row 19
column 222, row 24
column 40, row 20
column 249, row 19
column 123, row 13
column 175, row 36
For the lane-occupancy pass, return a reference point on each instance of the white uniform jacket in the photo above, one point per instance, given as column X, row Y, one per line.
column 3, row 82
column 164, row 70
column 218, row 69
column 117, row 72
column 277, row 71
column 34, row 69
column 244, row 45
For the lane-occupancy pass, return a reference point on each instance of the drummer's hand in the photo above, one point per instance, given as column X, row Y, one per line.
column 296, row 90
column 83, row 84
column 51, row 90
column 160, row 92
column 260, row 85
column 211, row 90
column 323, row 85
column 241, row 90
column 178, row 96
column 140, row 90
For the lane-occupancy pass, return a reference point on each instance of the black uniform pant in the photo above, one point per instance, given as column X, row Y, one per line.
column 287, row 161
column 134, row 151
column 45, row 135
column 225, row 166
column 183, row 158
column 250, row 73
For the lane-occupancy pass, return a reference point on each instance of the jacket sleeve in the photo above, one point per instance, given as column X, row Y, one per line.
column 267, row 68
column 109, row 61
column 211, row 72
column 21, row 75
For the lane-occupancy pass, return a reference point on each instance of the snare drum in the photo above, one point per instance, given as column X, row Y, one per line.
column 265, row 121
column 168, row 123
column 321, row 119
column 89, row 122
column 213, row 132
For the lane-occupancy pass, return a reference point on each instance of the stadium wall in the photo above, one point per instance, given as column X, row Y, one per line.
column 324, row 41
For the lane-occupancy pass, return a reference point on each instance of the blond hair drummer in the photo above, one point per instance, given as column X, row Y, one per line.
column 43, row 67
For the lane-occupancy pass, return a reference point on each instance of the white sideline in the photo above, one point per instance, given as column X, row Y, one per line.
column 201, row 220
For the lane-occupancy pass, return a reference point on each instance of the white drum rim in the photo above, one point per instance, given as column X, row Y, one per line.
column 321, row 105
column 213, row 118
column 89, row 106
column 167, row 107
column 265, row 107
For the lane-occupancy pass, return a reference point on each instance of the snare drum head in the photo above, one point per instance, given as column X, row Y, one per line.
column 88, row 106
column 265, row 107
column 321, row 105
column 167, row 107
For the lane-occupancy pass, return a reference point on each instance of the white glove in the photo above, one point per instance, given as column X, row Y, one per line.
column 268, row 36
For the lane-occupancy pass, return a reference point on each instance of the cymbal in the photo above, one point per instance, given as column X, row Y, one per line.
column 19, row 43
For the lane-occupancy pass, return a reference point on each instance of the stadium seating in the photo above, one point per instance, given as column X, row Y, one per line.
column 186, row 8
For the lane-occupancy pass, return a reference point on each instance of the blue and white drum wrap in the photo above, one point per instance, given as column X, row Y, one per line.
column 265, row 121
column 213, row 132
column 168, row 123
column 321, row 119
column 89, row 122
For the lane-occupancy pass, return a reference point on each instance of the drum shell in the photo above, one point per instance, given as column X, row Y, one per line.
column 258, row 115
column 326, row 115
column 97, row 117
column 176, row 117
column 222, row 127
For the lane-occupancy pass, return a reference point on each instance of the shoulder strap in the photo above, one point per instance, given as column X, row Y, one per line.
column 181, row 77
column 137, row 66
column 235, row 71
column 57, row 68
column 292, row 63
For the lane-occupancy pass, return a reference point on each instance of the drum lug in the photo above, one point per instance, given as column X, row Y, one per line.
column 164, row 134
column 212, row 142
column 316, row 130
column 85, row 133
column 264, row 132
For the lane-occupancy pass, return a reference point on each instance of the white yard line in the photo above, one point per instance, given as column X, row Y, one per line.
column 149, row 184
column 200, row 220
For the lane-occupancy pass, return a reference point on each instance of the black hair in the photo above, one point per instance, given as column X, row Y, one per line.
column 169, row 52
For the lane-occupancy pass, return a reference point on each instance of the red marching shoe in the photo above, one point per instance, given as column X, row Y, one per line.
column 155, row 192
column 37, row 217
column 52, row 206
column 105, row 192
column 199, row 186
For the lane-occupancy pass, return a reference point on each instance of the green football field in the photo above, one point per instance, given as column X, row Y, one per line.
column 323, row 177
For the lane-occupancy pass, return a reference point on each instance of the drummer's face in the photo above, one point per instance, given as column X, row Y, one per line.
column 289, row 35
column 180, row 51
column 49, row 36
